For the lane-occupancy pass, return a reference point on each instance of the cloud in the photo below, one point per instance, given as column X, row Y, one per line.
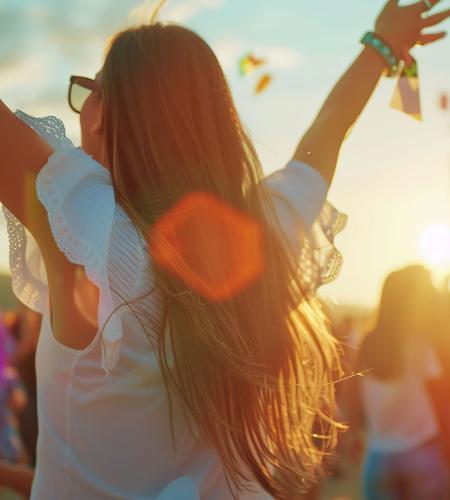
column 15, row 36
column 179, row 11
column 229, row 51
column 142, row 13
column 183, row 11
column 18, row 73
column 279, row 57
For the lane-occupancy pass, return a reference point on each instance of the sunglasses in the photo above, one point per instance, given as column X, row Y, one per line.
column 80, row 89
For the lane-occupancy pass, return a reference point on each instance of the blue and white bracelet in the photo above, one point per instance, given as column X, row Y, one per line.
column 372, row 40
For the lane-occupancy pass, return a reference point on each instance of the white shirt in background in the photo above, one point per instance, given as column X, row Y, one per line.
column 399, row 412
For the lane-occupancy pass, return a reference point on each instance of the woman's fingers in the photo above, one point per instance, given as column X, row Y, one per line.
column 427, row 38
column 423, row 5
column 435, row 19
column 408, row 58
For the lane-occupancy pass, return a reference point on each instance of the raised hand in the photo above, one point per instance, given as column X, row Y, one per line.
column 402, row 27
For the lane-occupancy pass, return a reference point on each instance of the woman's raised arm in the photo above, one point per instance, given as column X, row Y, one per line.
column 23, row 153
column 401, row 28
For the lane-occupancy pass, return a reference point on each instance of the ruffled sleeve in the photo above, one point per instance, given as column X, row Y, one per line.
column 28, row 274
column 309, row 223
column 78, row 196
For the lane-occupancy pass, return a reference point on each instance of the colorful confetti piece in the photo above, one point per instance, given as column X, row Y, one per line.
column 263, row 83
column 249, row 63
column 443, row 101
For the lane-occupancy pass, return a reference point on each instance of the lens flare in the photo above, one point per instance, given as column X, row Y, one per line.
column 214, row 248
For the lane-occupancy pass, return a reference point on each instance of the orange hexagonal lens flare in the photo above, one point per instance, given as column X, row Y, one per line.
column 215, row 249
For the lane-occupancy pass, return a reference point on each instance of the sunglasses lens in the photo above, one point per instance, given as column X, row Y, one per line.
column 78, row 96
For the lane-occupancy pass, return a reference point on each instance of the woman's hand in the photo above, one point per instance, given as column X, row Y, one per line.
column 402, row 27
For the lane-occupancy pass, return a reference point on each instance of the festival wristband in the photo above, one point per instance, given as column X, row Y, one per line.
column 373, row 41
column 406, row 96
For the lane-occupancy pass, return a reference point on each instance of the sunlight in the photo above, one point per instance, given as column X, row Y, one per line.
column 435, row 248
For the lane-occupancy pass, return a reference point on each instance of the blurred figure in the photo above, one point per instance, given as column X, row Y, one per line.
column 12, row 401
column 26, row 324
column 404, row 457
column 439, row 388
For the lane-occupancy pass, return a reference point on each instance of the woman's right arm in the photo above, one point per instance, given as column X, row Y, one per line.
column 402, row 28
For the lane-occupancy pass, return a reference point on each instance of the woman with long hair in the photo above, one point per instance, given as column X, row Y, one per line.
column 182, row 353
column 404, row 458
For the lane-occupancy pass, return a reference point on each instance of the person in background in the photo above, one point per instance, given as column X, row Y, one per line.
column 12, row 401
column 26, row 324
column 439, row 388
column 404, row 454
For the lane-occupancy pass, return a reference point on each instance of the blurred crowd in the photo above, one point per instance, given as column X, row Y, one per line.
column 19, row 330
column 393, row 397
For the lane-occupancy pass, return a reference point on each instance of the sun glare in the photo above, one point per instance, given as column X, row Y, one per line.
column 435, row 248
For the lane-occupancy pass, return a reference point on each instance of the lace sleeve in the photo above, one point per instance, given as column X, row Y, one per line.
column 28, row 274
column 308, row 222
column 78, row 196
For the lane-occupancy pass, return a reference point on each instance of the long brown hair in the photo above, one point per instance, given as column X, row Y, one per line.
column 407, row 302
column 256, row 370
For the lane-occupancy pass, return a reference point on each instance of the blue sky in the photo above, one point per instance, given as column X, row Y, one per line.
column 393, row 178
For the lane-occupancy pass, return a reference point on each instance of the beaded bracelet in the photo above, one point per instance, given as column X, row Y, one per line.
column 372, row 40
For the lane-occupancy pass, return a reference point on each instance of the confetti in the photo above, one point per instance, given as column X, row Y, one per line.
column 249, row 63
column 443, row 101
column 263, row 83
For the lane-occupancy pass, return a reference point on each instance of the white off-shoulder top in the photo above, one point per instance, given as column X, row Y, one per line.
column 104, row 427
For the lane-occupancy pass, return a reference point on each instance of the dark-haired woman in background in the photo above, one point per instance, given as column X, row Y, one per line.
column 404, row 458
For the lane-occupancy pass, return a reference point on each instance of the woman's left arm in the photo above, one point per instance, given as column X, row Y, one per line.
column 23, row 153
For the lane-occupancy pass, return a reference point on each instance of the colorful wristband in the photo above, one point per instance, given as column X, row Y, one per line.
column 372, row 40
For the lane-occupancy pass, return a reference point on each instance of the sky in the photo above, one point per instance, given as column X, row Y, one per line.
column 393, row 176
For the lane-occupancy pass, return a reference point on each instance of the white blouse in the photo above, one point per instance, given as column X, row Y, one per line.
column 400, row 415
column 104, row 427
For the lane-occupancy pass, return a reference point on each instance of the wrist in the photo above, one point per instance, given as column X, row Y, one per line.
column 379, row 45
column 390, row 41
